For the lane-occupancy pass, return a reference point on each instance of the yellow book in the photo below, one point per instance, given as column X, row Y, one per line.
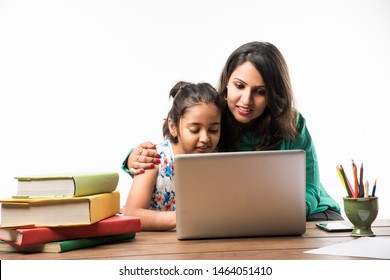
column 59, row 211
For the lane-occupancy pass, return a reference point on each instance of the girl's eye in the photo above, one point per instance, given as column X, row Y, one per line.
column 214, row 129
column 194, row 131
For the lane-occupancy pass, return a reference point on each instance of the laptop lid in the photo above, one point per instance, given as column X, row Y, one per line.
column 240, row 194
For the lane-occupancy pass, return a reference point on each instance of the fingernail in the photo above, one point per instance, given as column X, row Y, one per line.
column 152, row 165
column 141, row 171
column 158, row 156
column 158, row 161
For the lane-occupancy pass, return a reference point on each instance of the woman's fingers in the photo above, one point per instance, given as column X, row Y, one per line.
column 143, row 157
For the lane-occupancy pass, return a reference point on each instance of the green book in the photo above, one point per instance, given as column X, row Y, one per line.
column 66, row 245
column 67, row 184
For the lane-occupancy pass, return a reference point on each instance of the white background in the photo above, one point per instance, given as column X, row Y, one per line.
column 82, row 82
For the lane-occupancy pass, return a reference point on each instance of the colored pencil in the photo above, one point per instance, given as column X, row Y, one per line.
column 361, row 189
column 342, row 179
column 347, row 183
column 366, row 186
column 374, row 189
column 356, row 183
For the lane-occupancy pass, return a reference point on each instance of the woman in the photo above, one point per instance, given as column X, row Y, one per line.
column 259, row 115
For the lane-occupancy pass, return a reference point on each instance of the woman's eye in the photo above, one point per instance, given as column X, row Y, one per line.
column 260, row 91
column 239, row 86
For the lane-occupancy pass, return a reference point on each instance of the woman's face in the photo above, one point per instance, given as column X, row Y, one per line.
column 246, row 93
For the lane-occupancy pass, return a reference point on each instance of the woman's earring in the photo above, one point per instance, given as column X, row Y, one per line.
column 226, row 92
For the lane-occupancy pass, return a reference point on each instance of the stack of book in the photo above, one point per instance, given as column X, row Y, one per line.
column 63, row 212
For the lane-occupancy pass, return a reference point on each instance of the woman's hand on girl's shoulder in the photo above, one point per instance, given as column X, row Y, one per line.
column 143, row 157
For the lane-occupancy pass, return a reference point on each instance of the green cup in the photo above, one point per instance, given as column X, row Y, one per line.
column 361, row 212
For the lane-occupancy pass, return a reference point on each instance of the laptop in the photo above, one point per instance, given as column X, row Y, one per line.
column 241, row 194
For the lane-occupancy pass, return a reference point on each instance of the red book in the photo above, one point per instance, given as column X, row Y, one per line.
column 113, row 225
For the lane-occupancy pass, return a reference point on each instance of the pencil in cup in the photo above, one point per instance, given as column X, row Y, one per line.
column 362, row 190
column 344, row 180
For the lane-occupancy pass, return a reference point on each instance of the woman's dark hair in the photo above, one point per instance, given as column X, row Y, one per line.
column 278, row 121
column 186, row 95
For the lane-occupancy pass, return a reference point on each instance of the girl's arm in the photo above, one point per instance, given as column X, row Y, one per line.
column 138, row 202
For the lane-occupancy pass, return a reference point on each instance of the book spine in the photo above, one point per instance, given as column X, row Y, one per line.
column 111, row 226
column 95, row 184
column 66, row 245
column 70, row 245
column 103, row 206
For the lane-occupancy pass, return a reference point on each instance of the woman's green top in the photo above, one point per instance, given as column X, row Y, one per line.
column 317, row 199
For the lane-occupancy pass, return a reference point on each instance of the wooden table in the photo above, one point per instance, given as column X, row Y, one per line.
column 165, row 246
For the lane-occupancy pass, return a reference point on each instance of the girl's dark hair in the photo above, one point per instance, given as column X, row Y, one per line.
column 278, row 121
column 186, row 95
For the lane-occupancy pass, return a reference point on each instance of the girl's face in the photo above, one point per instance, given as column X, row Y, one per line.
column 199, row 129
column 246, row 93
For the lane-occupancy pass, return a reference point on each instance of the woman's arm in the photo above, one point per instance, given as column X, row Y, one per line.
column 138, row 202
column 317, row 198
column 313, row 185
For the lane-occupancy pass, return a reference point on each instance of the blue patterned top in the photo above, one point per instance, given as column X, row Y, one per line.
column 163, row 197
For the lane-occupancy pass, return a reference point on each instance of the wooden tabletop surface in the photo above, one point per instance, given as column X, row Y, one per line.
column 164, row 245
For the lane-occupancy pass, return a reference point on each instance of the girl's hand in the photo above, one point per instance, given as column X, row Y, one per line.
column 143, row 157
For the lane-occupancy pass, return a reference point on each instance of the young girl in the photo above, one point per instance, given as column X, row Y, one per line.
column 192, row 126
column 259, row 114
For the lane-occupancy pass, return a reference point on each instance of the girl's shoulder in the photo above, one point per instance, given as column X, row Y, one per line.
column 165, row 173
column 165, row 149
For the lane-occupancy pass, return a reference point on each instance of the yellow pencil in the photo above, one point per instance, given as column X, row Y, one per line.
column 341, row 178
column 352, row 194
column 346, row 182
